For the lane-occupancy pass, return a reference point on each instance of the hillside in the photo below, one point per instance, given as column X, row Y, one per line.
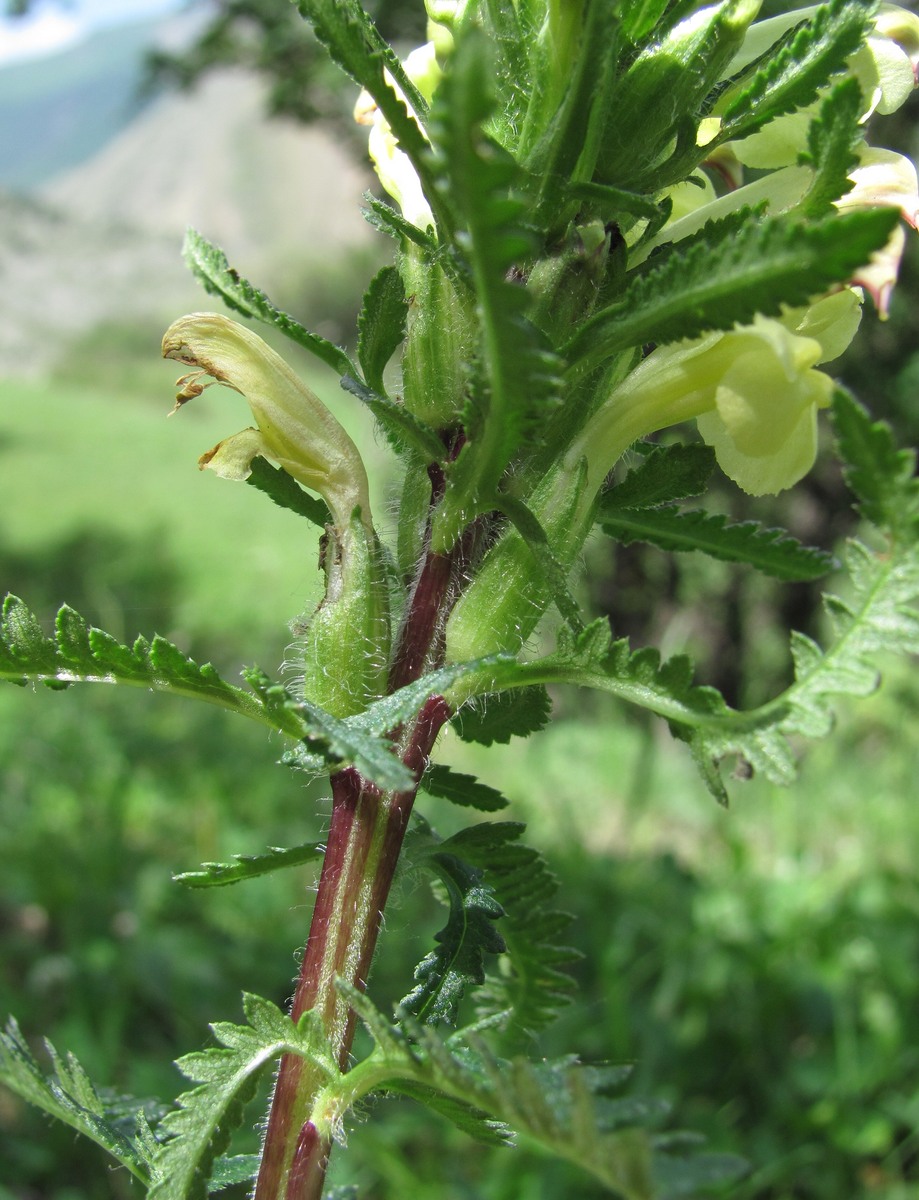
column 101, row 242
column 57, row 111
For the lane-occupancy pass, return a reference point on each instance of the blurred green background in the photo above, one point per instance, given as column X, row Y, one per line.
column 759, row 966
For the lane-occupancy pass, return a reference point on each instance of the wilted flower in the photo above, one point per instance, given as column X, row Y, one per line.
column 295, row 429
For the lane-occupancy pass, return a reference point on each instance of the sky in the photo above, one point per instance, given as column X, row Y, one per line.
column 54, row 25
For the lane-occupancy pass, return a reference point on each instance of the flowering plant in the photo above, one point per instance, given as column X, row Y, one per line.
column 609, row 220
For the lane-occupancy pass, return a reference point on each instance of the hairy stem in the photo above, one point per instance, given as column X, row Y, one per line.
column 365, row 838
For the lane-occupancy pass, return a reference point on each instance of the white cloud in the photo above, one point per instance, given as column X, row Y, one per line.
column 35, row 36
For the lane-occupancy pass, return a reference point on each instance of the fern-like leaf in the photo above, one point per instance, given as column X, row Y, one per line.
column 793, row 74
column 209, row 264
column 68, row 1095
column 771, row 551
column 465, row 790
column 517, row 376
column 561, row 1107
column 667, row 474
column 727, row 274
column 458, row 961
column 530, row 993
column 199, row 1129
column 79, row 653
column 284, row 490
column 249, row 866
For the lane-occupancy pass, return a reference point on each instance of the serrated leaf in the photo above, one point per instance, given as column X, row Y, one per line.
column 517, row 375
column 497, row 717
column 465, row 790
column 668, row 474
column 772, row 551
column 234, row 1169
column 383, row 217
column 248, row 866
column 209, row 264
column 881, row 475
column 354, row 42
column 794, row 72
column 832, row 142
column 725, row 275
column 199, row 1128
column 68, row 1095
column 402, row 428
column 556, row 1106
column 532, row 990
column 458, row 962
column 381, row 325
column 284, row 490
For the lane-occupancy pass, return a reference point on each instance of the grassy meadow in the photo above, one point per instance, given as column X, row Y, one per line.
column 759, row 966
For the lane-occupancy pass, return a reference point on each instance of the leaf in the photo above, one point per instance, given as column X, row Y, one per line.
column 669, row 473
column 791, row 75
column 381, row 325
column 558, row 1106
column 338, row 743
column 81, row 654
column 234, row 1169
column 199, row 1128
column 772, row 551
column 498, row 717
column 725, row 275
column 401, row 427
column 458, row 962
column 284, row 490
column 68, row 1095
column 530, row 992
column 209, row 264
column 832, row 141
column 383, row 216
column 248, row 866
column 881, row 475
column 529, row 528
column 517, row 377
column 354, row 42
column 465, row 790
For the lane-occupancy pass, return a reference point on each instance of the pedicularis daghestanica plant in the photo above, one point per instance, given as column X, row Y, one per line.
column 610, row 218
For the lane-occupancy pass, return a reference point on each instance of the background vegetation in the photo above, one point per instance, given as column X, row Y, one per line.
column 759, row 966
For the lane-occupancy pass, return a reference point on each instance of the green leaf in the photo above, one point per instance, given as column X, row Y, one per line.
column 535, row 537
column 234, row 1169
column 383, row 216
column 560, row 1107
column 881, row 475
column 284, row 490
column 832, row 141
column 723, row 276
column 78, row 653
column 517, row 377
column 248, row 866
column 530, row 991
column 356, row 45
column 458, row 962
column 498, row 717
column 200, row 1127
column 465, row 790
column 772, row 551
column 668, row 474
column 381, row 325
column 790, row 77
column 401, row 427
column 209, row 264
column 337, row 743
column 68, row 1095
